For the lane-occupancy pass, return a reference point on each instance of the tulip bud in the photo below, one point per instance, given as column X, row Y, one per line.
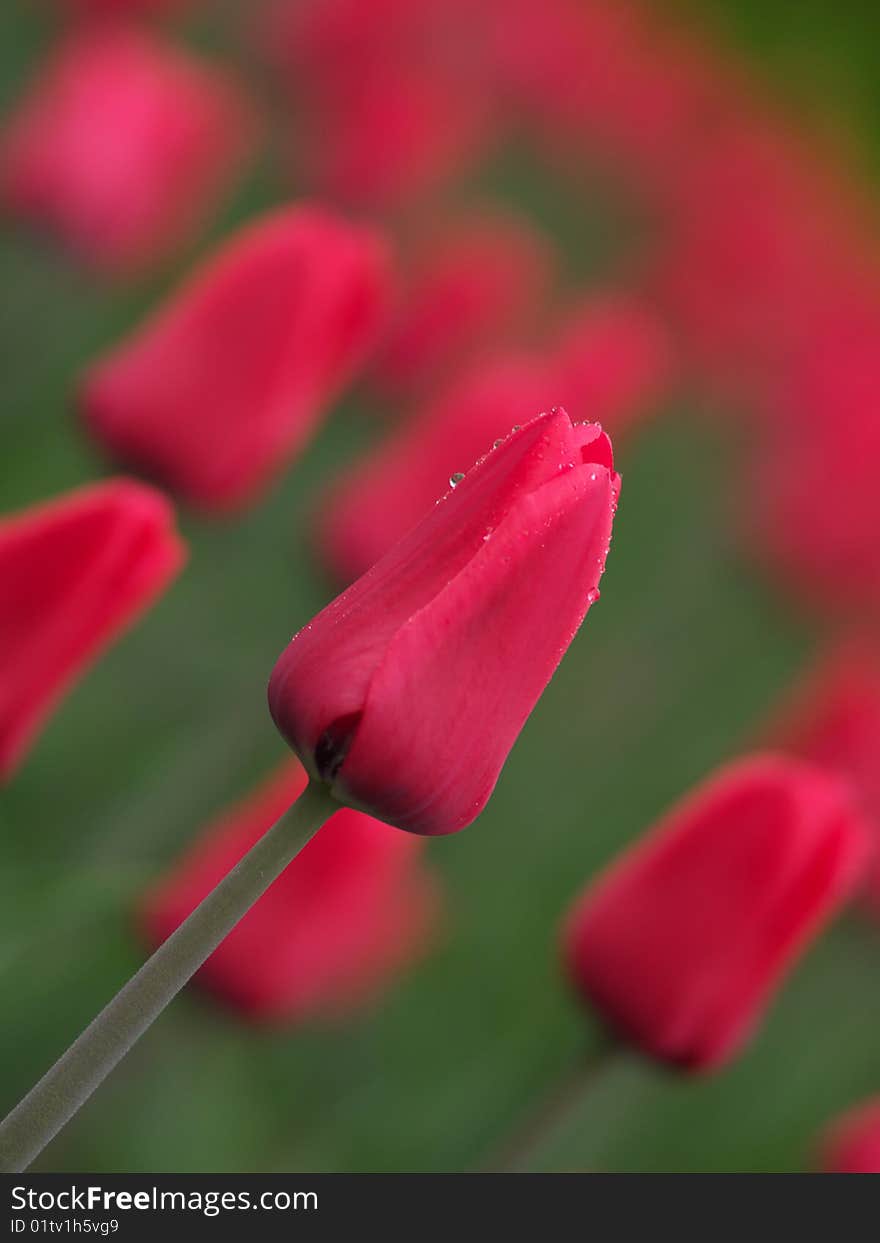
column 407, row 692
column 477, row 283
column 353, row 909
column 122, row 146
column 682, row 941
column 221, row 387
column 851, row 1145
column 75, row 571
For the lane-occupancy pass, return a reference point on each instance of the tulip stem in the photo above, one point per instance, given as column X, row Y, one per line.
column 554, row 1114
column 78, row 1072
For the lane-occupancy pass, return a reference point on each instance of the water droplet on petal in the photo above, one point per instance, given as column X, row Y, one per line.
column 455, row 480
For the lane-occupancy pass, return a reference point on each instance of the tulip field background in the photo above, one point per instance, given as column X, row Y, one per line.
column 672, row 673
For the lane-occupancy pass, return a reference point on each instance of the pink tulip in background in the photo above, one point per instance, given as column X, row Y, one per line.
column 76, row 572
column 122, row 146
column 473, row 284
column 338, row 926
column 681, row 943
column 217, row 391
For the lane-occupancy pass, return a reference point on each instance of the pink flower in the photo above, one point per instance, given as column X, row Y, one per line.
column 76, row 572
column 122, row 146
column 338, row 926
column 478, row 282
column 680, row 944
column 220, row 388
column 407, row 692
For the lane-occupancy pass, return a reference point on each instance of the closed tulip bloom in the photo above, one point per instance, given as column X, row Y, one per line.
column 76, row 571
column 407, row 692
column 341, row 922
column 122, row 145
column 681, row 943
column 475, row 284
column 851, row 1145
column 220, row 388
column 385, row 493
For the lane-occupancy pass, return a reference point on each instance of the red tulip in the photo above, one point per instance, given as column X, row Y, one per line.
column 376, row 502
column 851, row 1145
column 682, row 941
column 227, row 381
column 833, row 719
column 476, row 283
column 352, row 910
column 76, row 572
column 407, row 692
column 122, row 146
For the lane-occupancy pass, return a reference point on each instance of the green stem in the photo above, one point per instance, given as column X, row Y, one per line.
column 555, row 1113
column 88, row 1061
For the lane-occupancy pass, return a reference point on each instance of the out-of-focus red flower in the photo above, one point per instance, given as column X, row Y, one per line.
column 75, row 572
column 757, row 237
column 122, row 145
column 340, row 923
column 682, row 941
column 475, row 283
column 598, row 80
column 614, row 362
column 383, row 495
column 407, row 692
column 818, row 437
column 216, row 391
column 391, row 95
column 851, row 1145
column 832, row 719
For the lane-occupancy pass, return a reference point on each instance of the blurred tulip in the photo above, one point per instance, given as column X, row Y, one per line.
column 122, row 146
column 851, row 1145
column 224, row 384
column 479, row 282
column 340, row 923
column 681, row 943
column 829, row 557
column 76, row 571
column 387, row 492
column 407, row 692
column 832, row 719
column 392, row 93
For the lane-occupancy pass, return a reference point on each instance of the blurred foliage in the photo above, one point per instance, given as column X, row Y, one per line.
column 669, row 676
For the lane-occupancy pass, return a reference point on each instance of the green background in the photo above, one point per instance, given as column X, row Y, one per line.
column 672, row 672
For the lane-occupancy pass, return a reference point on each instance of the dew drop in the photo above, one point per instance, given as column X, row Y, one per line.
column 455, row 480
